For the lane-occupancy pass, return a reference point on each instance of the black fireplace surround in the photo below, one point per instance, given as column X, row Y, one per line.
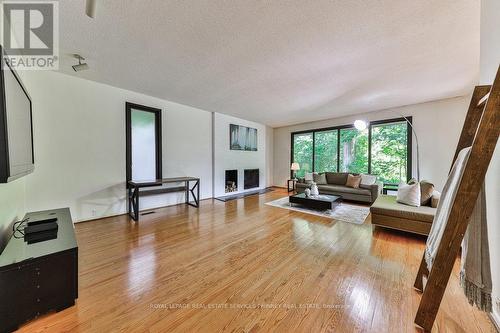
column 251, row 178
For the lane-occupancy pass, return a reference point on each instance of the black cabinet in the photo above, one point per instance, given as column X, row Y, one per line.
column 38, row 278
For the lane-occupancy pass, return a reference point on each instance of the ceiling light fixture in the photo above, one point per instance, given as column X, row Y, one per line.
column 90, row 7
column 360, row 125
column 80, row 66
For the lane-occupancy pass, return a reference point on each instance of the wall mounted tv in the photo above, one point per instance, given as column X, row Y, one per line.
column 16, row 130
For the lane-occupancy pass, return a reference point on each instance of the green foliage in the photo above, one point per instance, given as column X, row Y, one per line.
column 389, row 160
column 325, row 151
column 353, row 150
column 302, row 152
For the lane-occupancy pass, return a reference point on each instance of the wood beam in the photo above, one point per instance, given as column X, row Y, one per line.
column 474, row 174
column 471, row 122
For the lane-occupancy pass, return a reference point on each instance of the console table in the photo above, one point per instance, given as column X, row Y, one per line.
column 134, row 191
column 40, row 277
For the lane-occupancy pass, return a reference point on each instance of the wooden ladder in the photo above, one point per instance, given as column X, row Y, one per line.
column 481, row 130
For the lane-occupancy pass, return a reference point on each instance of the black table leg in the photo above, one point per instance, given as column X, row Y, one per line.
column 133, row 209
column 129, row 205
column 196, row 196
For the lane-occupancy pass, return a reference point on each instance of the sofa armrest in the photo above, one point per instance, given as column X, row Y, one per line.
column 375, row 189
column 436, row 196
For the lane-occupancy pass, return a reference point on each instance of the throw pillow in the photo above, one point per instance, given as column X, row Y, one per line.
column 353, row 181
column 409, row 194
column 368, row 179
column 308, row 176
column 412, row 181
column 320, row 179
column 426, row 191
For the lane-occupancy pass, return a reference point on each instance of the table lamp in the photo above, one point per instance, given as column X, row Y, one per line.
column 294, row 167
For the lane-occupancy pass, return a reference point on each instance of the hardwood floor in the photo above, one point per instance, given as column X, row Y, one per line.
column 246, row 266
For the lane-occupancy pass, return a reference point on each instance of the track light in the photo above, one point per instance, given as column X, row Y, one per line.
column 90, row 8
column 81, row 66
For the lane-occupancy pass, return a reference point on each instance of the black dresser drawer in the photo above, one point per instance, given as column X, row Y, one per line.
column 38, row 278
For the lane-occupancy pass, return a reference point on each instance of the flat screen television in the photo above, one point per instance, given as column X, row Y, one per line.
column 16, row 130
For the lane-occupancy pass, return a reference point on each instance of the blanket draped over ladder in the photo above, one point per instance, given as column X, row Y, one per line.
column 475, row 274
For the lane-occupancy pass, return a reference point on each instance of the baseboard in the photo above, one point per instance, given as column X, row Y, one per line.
column 125, row 213
column 146, row 209
column 495, row 319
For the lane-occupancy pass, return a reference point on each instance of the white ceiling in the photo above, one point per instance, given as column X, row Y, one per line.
column 278, row 62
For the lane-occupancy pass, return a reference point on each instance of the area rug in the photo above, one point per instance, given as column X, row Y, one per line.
column 344, row 212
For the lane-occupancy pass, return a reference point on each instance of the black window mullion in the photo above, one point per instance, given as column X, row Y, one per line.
column 338, row 150
column 313, row 150
column 370, row 149
column 409, row 136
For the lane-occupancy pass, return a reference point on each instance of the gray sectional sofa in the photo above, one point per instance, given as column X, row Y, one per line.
column 336, row 186
column 388, row 213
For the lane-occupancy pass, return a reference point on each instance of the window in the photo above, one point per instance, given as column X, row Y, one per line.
column 143, row 142
column 389, row 152
column 303, row 152
column 353, row 150
column 325, row 151
column 383, row 149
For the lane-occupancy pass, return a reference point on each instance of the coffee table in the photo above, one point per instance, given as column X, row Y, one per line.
column 320, row 202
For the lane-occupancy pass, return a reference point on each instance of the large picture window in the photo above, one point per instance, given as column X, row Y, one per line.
column 383, row 149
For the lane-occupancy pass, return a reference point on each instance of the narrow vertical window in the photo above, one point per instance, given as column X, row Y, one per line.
column 390, row 152
column 325, row 151
column 143, row 129
column 303, row 152
column 353, row 150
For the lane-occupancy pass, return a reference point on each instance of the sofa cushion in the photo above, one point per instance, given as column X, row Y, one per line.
column 336, row 178
column 309, row 176
column 320, row 179
column 435, row 199
column 302, row 185
column 387, row 205
column 368, row 179
column 344, row 189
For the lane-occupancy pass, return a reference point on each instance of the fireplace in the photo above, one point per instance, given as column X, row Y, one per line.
column 231, row 181
column 251, row 178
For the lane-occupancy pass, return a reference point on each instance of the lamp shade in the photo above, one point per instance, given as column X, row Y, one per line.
column 295, row 166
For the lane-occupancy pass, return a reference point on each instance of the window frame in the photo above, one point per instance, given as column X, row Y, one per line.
column 409, row 137
column 128, row 138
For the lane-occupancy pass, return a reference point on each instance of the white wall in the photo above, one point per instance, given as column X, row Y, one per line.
column 79, row 136
column 269, row 156
column 438, row 125
column 226, row 159
column 490, row 60
column 12, row 205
